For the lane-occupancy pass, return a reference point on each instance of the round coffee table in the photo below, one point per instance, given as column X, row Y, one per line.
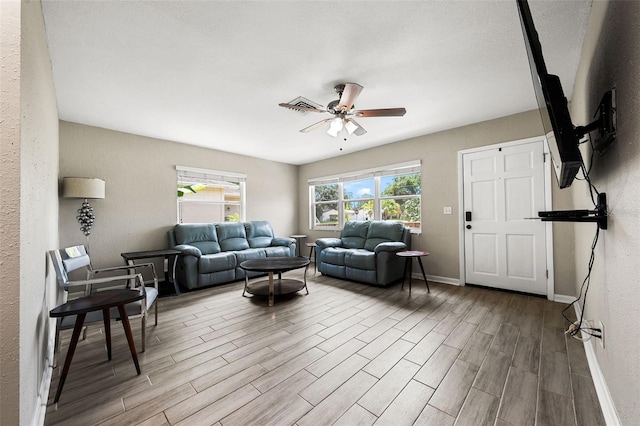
column 273, row 287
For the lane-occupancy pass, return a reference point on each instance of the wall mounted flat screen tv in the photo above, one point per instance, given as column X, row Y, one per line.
column 561, row 135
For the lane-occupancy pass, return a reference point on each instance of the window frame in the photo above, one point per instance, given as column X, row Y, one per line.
column 204, row 175
column 407, row 168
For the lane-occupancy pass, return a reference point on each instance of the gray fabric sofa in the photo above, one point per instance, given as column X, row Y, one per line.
column 212, row 252
column 365, row 252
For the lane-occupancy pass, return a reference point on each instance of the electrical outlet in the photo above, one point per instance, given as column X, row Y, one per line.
column 601, row 326
column 595, row 325
column 446, row 210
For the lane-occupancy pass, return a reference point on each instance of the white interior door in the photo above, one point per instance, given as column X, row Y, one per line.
column 502, row 187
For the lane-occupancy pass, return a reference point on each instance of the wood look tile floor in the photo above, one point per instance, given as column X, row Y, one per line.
column 346, row 354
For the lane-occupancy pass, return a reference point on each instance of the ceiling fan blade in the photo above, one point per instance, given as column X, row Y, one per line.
column 349, row 95
column 301, row 108
column 383, row 112
column 315, row 126
column 359, row 131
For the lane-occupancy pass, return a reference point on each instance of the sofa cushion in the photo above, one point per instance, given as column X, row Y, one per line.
column 278, row 251
column 334, row 255
column 259, row 233
column 248, row 254
column 216, row 262
column 200, row 235
column 360, row 259
column 232, row 236
column 383, row 232
column 354, row 234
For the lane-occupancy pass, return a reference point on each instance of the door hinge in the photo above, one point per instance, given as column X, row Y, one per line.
column 547, row 273
column 544, row 157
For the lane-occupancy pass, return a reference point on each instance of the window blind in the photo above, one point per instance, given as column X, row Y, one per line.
column 205, row 176
column 395, row 169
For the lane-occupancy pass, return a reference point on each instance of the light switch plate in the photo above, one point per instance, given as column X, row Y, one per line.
column 446, row 210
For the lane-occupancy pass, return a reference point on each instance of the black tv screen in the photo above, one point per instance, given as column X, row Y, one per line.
column 554, row 111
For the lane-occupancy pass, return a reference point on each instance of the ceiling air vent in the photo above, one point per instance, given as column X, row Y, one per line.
column 304, row 102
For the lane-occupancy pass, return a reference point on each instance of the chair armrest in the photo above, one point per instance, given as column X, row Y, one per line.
column 282, row 241
column 149, row 265
column 188, row 250
column 116, row 268
column 328, row 242
column 390, row 246
column 104, row 280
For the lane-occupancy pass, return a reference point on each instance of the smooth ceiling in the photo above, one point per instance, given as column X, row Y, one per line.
column 211, row 73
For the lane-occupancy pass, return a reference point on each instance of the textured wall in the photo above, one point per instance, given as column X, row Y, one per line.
column 28, row 212
column 439, row 155
column 140, row 203
column 38, row 209
column 9, row 213
column 611, row 57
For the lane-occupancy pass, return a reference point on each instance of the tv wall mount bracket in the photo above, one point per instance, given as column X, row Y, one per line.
column 605, row 122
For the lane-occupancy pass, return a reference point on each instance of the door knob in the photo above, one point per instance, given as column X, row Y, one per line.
column 468, row 226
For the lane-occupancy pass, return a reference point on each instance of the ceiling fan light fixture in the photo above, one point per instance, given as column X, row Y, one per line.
column 350, row 126
column 335, row 127
column 342, row 125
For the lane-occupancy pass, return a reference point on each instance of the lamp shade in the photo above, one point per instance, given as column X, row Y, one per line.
column 82, row 188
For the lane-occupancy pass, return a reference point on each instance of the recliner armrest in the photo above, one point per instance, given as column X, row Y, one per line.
column 323, row 243
column 188, row 250
column 390, row 246
column 282, row 241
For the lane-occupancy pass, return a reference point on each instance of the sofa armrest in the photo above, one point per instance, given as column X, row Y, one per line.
column 390, row 246
column 188, row 250
column 323, row 243
column 282, row 241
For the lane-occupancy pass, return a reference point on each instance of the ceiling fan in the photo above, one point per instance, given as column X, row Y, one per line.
column 343, row 109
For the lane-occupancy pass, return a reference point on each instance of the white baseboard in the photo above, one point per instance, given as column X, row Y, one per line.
column 561, row 298
column 609, row 411
column 45, row 383
column 444, row 280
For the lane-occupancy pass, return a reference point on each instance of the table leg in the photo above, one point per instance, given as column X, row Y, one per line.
column 127, row 331
column 173, row 275
column 406, row 267
column 424, row 275
column 72, row 348
column 410, row 273
column 271, row 289
column 106, row 316
column 315, row 263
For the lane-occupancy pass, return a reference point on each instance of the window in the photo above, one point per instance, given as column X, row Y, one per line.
column 386, row 193
column 206, row 196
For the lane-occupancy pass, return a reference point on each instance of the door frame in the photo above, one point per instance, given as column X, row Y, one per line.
column 547, row 202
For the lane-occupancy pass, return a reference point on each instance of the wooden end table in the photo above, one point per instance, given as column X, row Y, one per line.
column 101, row 301
column 298, row 238
column 409, row 255
column 130, row 257
column 278, row 265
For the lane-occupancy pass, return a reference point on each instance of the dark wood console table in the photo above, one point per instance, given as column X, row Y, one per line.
column 130, row 257
column 104, row 301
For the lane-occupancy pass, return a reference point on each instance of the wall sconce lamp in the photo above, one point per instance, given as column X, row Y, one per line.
column 83, row 188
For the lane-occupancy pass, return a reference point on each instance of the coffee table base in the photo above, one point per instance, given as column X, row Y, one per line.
column 272, row 288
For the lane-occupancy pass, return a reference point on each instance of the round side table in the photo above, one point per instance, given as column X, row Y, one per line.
column 409, row 255
column 298, row 238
